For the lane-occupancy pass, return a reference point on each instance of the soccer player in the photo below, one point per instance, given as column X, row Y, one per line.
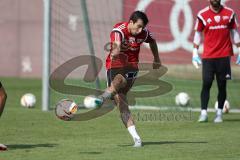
column 218, row 25
column 122, row 64
column 3, row 97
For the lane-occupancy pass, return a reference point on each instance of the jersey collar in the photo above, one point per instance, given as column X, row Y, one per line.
column 215, row 11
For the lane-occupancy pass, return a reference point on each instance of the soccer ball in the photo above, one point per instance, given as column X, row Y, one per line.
column 226, row 106
column 65, row 109
column 28, row 100
column 3, row 147
column 182, row 99
column 91, row 102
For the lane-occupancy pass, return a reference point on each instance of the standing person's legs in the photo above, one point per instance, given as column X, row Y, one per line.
column 205, row 93
column 222, row 75
column 207, row 79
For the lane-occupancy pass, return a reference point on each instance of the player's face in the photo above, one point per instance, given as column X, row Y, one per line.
column 137, row 27
column 215, row 3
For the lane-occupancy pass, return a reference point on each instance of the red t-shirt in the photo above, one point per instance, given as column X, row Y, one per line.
column 130, row 46
column 216, row 28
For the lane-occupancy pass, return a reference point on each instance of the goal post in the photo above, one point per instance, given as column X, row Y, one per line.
column 46, row 54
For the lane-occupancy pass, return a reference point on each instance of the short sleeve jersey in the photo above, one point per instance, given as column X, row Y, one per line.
column 130, row 46
column 216, row 29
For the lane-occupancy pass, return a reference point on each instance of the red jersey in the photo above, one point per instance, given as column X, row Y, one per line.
column 216, row 29
column 130, row 46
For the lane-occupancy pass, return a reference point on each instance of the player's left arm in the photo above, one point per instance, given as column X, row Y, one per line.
column 235, row 36
column 236, row 40
column 154, row 48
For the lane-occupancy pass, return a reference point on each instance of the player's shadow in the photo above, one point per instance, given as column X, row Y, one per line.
column 168, row 142
column 172, row 142
column 90, row 152
column 232, row 120
column 29, row 146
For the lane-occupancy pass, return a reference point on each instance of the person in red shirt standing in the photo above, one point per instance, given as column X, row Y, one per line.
column 3, row 97
column 218, row 25
column 122, row 65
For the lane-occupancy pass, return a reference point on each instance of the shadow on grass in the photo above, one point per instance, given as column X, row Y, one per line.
column 171, row 142
column 167, row 142
column 231, row 120
column 90, row 152
column 29, row 146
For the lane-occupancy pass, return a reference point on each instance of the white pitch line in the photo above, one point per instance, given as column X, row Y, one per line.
column 176, row 108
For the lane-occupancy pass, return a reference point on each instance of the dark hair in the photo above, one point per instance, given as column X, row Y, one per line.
column 139, row 15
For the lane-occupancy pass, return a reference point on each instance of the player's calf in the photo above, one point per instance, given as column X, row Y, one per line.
column 127, row 118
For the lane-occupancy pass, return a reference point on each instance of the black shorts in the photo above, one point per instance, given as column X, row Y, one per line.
column 221, row 67
column 0, row 84
column 129, row 74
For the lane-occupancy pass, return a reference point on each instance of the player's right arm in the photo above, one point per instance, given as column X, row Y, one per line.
column 116, row 40
column 196, row 60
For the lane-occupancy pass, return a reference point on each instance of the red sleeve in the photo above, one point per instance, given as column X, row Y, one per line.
column 233, row 23
column 149, row 37
column 199, row 26
column 116, row 36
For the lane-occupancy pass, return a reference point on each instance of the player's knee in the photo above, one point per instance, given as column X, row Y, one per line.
column 117, row 99
column 121, row 102
column 207, row 84
column 119, row 81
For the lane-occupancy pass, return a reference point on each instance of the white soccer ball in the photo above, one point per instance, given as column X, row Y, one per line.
column 66, row 109
column 28, row 100
column 182, row 99
column 226, row 106
column 90, row 101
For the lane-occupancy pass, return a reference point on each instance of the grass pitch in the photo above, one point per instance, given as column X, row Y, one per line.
column 31, row 134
